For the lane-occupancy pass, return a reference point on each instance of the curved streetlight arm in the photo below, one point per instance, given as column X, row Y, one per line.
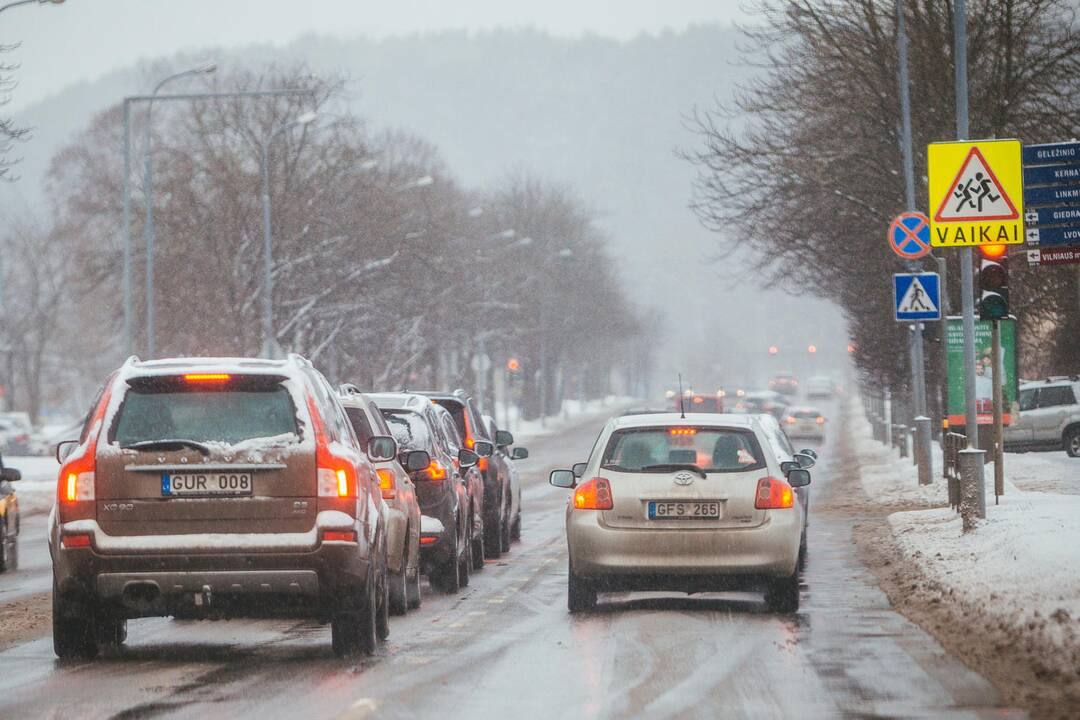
column 17, row 3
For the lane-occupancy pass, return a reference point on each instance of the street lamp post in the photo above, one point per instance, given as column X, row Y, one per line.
column 270, row 348
column 17, row 3
column 148, row 228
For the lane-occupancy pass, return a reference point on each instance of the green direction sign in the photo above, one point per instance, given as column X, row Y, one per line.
column 984, row 387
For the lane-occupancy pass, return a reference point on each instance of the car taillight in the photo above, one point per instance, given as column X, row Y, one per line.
column 594, row 494
column 336, row 476
column 339, row 536
column 77, row 540
column 434, row 471
column 386, row 483
column 773, row 494
column 790, row 420
column 820, row 420
column 482, row 464
column 75, row 483
column 429, row 539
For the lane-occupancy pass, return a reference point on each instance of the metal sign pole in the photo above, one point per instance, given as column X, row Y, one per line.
column 999, row 410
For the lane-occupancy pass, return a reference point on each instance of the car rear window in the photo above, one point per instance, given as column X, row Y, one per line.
column 457, row 411
column 360, row 425
column 409, row 429
column 656, row 449
column 229, row 415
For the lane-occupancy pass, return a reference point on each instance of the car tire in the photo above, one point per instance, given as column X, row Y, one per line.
column 782, row 594
column 382, row 605
column 479, row 550
column 413, row 599
column 399, row 587
column 466, row 559
column 492, row 541
column 515, row 529
column 802, row 553
column 72, row 628
column 504, row 530
column 9, row 550
column 580, row 594
column 111, row 632
column 447, row 576
column 1072, row 442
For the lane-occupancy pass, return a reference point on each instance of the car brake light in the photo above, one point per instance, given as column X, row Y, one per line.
column 682, row 431
column 429, row 539
column 207, row 377
column 339, row 536
column 75, row 483
column 482, row 464
column 336, row 476
column 773, row 494
column 594, row 494
column 790, row 419
column 435, row 471
column 820, row 420
column 386, row 483
column 80, row 540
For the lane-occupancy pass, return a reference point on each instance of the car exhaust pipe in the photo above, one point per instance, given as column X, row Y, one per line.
column 141, row 595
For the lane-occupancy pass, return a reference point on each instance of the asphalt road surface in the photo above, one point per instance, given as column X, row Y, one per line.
column 506, row 647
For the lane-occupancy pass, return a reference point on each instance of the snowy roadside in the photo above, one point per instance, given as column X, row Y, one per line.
column 1014, row 581
column 37, row 487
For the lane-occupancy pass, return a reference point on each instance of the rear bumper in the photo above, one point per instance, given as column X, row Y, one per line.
column 724, row 555
column 294, row 575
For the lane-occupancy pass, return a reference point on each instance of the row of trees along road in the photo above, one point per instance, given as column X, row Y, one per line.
column 804, row 165
column 379, row 279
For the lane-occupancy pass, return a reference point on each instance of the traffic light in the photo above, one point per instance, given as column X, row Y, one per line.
column 993, row 282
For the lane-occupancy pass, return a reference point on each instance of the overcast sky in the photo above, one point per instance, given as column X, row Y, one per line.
column 83, row 39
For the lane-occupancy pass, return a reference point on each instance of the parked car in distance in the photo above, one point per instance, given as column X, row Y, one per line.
column 803, row 422
column 1049, row 417
column 503, row 440
column 441, row 484
column 649, row 515
column 820, row 386
column 210, row 487
column 16, row 434
column 494, row 470
column 9, row 518
column 697, row 402
column 784, row 383
column 399, row 493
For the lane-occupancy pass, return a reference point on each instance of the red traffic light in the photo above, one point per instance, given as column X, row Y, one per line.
column 812, row 349
column 773, row 350
column 513, row 364
column 993, row 252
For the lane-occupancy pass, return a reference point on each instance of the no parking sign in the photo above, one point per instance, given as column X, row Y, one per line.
column 909, row 235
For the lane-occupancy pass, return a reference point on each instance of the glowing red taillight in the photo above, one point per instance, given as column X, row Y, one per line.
column 429, row 539
column 682, row 431
column 820, row 420
column 594, row 494
column 75, row 483
column 339, row 536
column 80, row 540
column 773, row 494
column 207, row 377
column 434, row 471
column 335, row 476
column 386, row 483
column 790, row 420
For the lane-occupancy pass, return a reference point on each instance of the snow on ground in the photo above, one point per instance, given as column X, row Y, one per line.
column 38, row 485
column 1018, row 570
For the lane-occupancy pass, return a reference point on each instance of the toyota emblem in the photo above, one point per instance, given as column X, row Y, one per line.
column 684, row 478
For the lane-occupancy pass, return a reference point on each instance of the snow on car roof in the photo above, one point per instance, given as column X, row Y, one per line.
column 674, row 418
column 230, row 365
column 398, row 401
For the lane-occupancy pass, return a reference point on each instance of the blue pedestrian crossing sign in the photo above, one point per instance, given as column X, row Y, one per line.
column 917, row 296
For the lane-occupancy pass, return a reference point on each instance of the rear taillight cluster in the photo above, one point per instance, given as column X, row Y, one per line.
column 594, row 494
column 75, row 483
column 434, row 471
column 336, row 476
column 773, row 494
column 386, row 483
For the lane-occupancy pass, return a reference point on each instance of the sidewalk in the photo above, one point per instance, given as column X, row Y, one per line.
column 1013, row 582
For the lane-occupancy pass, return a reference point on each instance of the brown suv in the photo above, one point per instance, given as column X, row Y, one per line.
column 218, row 488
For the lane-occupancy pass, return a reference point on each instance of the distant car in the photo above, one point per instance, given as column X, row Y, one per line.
column 820, row 386
column 442, row 486
column 761, row 401
column 16, row 434
column 784, row 383
column 503, row 440
column 209, row 487
column 698, row 403
column 399, row 493
column 805, row 423
column 688, row 504
column 9, row 519
column 496, row 520
column 1049, row 417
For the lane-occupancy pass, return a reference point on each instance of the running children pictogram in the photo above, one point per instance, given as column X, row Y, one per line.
column 976, row 193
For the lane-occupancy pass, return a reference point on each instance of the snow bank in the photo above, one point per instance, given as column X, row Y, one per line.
column 887, row 478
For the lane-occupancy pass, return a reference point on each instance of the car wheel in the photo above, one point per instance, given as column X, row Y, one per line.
column 412, row 589
column 1072, row 442
column 111, row 632
column 580, row 594
column 479, row 550
column 504, row 530
column 73, row 628
column 782, row 595
column 399, row 587
column 515, row 529
column 802, row 553
column 8, row 553
column 466, row 559
column 492, row 541
column 382, row 608
column 447, row 576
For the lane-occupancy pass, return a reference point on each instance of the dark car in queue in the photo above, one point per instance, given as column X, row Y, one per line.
column 504, row 439
column 399, row 494
column 441, row 487
column 9, row 518
column 217, row 488
column 474, row 481
column 470, row 426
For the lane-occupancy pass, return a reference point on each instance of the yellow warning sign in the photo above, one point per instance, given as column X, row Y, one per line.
column 976, row 193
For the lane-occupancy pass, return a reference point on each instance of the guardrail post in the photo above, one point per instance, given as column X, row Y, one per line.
column 972, row 487
column 901, row 440
column 924, row 456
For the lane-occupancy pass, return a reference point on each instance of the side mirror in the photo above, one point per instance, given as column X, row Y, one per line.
column 10, row 474
column 579, row 469
column 798, row 477
column 806, row 459
column 382, row 448
column 562, row 478
column 503, row 438
column 787, row 466
column 519, row 453
column 483, row 448
column 416, row 460
column 467, row 457
column 64, row 449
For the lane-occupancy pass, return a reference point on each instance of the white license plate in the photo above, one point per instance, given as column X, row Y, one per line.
column 662, row 510
column 210, row 483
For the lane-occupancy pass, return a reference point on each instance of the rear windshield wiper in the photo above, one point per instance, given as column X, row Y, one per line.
column 672, row 467
column 167, row 443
